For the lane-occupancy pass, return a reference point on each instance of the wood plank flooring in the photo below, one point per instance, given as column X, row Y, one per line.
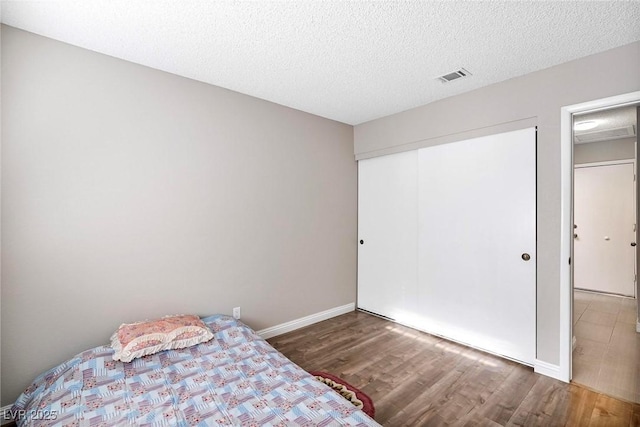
column 416, row 379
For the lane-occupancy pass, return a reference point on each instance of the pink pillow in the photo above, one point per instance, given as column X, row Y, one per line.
column 133, row 340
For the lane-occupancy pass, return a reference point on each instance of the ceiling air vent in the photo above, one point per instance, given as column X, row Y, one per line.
column 454, row 75
column 606, row 134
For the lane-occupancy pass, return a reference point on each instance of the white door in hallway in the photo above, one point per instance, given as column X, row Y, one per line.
column 604, row 215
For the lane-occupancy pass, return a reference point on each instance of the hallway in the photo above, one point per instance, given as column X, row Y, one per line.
column 606, row 357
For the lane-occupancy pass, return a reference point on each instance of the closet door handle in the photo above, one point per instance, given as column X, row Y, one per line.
column 362, row 242
column 633, row 243
column 526, row 256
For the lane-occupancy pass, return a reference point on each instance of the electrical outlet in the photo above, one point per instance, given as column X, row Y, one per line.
column 236, row 312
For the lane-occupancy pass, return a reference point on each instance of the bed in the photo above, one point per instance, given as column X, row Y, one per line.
column 235, row 379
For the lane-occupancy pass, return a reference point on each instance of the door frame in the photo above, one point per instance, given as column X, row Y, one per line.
column 566, row 217
column 632, row 162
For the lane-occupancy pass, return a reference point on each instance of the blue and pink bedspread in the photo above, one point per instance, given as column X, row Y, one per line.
column 236, row 379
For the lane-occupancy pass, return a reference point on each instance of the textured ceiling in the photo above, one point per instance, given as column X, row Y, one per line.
column 349, row 61
column 613, row 118
column 609, row 119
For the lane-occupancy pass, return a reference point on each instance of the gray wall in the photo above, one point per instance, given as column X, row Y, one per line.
column 538, row 95
column 619, row 149
column 129, row 193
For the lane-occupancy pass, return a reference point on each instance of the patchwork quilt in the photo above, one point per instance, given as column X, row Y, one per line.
column 235, row 379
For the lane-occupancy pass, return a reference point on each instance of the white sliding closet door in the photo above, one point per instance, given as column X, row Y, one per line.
column 387, row 233
column 477, row 225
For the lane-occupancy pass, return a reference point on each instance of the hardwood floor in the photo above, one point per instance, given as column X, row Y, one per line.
column 416, row 379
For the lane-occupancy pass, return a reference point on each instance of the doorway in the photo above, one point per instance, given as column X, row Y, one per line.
column 606, row 347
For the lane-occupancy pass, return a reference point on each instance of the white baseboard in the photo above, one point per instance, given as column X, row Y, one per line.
column 547, row 369
column 283, row 328
column 4, row 415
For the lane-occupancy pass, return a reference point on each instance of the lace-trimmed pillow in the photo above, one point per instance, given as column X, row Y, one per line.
column 133, row 340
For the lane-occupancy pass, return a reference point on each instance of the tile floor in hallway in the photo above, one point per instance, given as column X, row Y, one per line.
column 606, row 357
